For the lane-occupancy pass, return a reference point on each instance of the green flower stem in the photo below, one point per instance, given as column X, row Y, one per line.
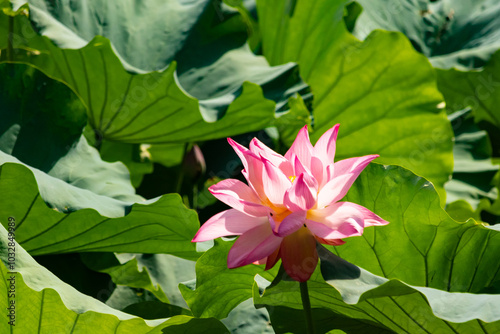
column 306, row 304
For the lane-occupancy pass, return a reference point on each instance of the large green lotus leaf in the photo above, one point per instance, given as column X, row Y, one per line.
column 166, row 271
column 165, row 226
column 129, row 273
column 473, row 171
column 42, row 128
column 461, row 34
column 69, row 186
column 219, row 289
column 212, row 30
column 146, row 35
column 154, row 107
column 38, row 113
column 161, row 274
column 381, row 91
column 157, row 273
column 144, row 108
column 478, row 90
column 290, row 320
column 45, row 304
column 227, row 62
column 353, row 295
column 427, row 268
column 432, row 249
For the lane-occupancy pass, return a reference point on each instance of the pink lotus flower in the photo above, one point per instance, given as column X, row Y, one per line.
column 289, row 204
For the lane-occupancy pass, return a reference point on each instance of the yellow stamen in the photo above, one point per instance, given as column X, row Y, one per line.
column 292, row 178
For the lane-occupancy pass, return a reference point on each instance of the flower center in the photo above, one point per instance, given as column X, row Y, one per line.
column 292, row 178
column 278, row 217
